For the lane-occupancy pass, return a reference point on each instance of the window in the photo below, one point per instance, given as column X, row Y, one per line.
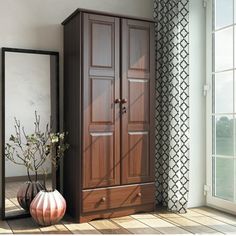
column 221, row 103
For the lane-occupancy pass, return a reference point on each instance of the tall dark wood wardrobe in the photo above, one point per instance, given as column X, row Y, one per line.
column 109, row 103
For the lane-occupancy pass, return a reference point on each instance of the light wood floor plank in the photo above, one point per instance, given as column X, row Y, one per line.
column 84, row 228
column 108, row 227
column 213, row 223
column 55, row 229
column 134, row 226
column 169, row 214
column 160, row 224
column 24, row 226
column 5, row 228
column 218, row 215
column 190, row 225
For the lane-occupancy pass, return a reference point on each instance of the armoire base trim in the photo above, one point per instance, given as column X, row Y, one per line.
column 116, row 213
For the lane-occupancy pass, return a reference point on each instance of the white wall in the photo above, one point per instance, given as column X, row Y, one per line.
column 197, row 103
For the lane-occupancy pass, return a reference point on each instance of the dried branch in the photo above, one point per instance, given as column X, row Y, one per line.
column 34, row 150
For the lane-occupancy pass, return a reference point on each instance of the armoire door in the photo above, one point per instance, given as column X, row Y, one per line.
column 138, row 96
column 101, row 88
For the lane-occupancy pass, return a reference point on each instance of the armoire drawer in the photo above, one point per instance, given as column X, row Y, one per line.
column 116, row 197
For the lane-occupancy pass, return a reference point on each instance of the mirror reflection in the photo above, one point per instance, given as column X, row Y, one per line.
column 30, row 115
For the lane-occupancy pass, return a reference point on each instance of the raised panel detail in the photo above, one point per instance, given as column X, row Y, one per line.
column 102, row 158
column 139, row 49
column 102, row 35
column 138, row 101
column 102, row 100
column 138, row 163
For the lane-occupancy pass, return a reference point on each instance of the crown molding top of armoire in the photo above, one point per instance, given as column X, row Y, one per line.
column 104, row 13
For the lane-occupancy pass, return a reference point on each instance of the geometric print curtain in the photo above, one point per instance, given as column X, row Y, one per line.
column 172, row 103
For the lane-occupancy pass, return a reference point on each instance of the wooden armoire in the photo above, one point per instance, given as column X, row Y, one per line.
column 109, row 103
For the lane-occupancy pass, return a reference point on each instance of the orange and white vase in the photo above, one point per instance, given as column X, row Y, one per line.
column 48, row 208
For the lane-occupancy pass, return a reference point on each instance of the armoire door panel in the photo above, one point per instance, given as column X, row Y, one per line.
column 102, row 44
column 138, row 145
column 102, row 97
column 138, row 101
column 101, row 86
column 138, row 48
column 101, row 164
column 137, row 88
column 103, row 31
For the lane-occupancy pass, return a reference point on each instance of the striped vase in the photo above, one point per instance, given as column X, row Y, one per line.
column 48, row 208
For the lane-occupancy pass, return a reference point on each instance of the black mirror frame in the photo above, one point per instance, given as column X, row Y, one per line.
column 56, row 90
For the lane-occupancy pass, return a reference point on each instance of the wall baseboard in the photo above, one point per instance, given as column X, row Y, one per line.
column 24, row 178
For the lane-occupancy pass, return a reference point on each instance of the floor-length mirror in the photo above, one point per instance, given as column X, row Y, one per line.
column 30, row 101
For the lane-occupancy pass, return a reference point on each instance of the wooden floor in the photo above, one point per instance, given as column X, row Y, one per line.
column 201, row 220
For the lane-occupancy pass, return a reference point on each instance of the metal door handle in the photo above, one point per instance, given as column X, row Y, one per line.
column 124, row 100
column 118, row 100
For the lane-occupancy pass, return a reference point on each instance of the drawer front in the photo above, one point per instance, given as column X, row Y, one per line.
column 116, row 197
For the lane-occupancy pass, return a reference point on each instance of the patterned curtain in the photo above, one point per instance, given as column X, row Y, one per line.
column 172, row 108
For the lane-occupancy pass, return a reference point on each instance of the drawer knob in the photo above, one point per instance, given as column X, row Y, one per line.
column 103, row 199
column 139, row 194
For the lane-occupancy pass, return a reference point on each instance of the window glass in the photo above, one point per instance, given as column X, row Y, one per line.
column 223, row 13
